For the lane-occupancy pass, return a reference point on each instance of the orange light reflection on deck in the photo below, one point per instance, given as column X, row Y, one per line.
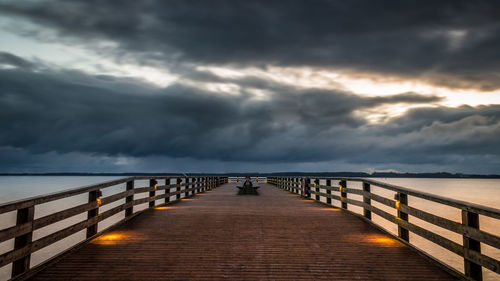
column 110, row 239
column 164, row 208
column 307, row 200
column 382, row 240
column 330, row 209
column 187, row 199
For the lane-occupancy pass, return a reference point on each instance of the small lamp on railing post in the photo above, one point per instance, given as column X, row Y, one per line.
column 343, row 193
column 94, row 196
column 402, row 198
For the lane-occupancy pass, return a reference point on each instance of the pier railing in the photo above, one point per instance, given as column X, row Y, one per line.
column 473, row 235
column 26, row 223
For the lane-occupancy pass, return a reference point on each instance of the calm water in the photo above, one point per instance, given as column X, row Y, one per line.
column 480, row 191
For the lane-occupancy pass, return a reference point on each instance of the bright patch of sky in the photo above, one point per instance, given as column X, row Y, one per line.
column 74, row 56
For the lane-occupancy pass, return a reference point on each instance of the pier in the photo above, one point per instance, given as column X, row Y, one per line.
column 198, row 228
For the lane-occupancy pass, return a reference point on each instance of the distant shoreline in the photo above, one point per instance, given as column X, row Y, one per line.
column 320, row 174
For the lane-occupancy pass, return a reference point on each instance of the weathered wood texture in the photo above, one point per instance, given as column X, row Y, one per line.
column 473, row 236
column 222, row 236
column 20, row 255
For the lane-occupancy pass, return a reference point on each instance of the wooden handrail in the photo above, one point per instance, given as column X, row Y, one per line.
column 22, row 232
column 473, row 236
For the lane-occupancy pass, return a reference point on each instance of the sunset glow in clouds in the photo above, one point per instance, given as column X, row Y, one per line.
column 221, row 86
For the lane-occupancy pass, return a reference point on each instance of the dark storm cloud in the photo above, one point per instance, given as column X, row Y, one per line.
column 63, row 112
column 453, row 43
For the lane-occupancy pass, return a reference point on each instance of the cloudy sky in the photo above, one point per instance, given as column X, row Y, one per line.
column 225, row 86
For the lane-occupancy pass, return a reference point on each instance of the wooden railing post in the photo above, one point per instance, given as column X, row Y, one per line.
column 152, row 193
column 329, row 192
column 130, row 210
column 367, row 213
column 178, row 189
column 299, row 185
column 187, row 187
column 316, row 185
column 200, row 184
column 21, row 265
column 195, row 185
column 94, row 196
column 471, row 269
column 167, row 190
column 307, row 188
column 403, row 232
column 343, row 194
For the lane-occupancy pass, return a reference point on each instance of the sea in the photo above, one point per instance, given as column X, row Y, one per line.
column 484, row 192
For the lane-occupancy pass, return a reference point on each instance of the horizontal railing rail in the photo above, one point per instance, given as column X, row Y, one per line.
column 473, row 236
column 26, row 224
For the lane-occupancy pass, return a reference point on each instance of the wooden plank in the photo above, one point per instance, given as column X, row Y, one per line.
column 167, row 190
column 22, row 264
column 143, row 200
column 152, row 192
column 472, row 269
column 328, row 192
column 452, row 246
column 331, row 196
column 130, row 198
column 381, row 199
column 24, row 203
column 114, row 210
column 150, row 242
column 471, row 207
column 143, row 189
column 93, row 197
column 343, row 194
column 482, row 236
column 14, row 231
column 366, row 199
column 63, row 233
column 402, row 232
column 352, row 201
column 45, row 241
column 13, row 255
column 353, row 191
column 64, row 214
column 116, row 197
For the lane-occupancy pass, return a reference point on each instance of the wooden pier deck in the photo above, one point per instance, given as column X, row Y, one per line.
column 220, row 235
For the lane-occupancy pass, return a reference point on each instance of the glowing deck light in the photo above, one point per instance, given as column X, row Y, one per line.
column 330, row 209
column 397, row 204
column 374, row 239
column 165, row 208
column 98, row 200
column 156, row 186
column 110, row 239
